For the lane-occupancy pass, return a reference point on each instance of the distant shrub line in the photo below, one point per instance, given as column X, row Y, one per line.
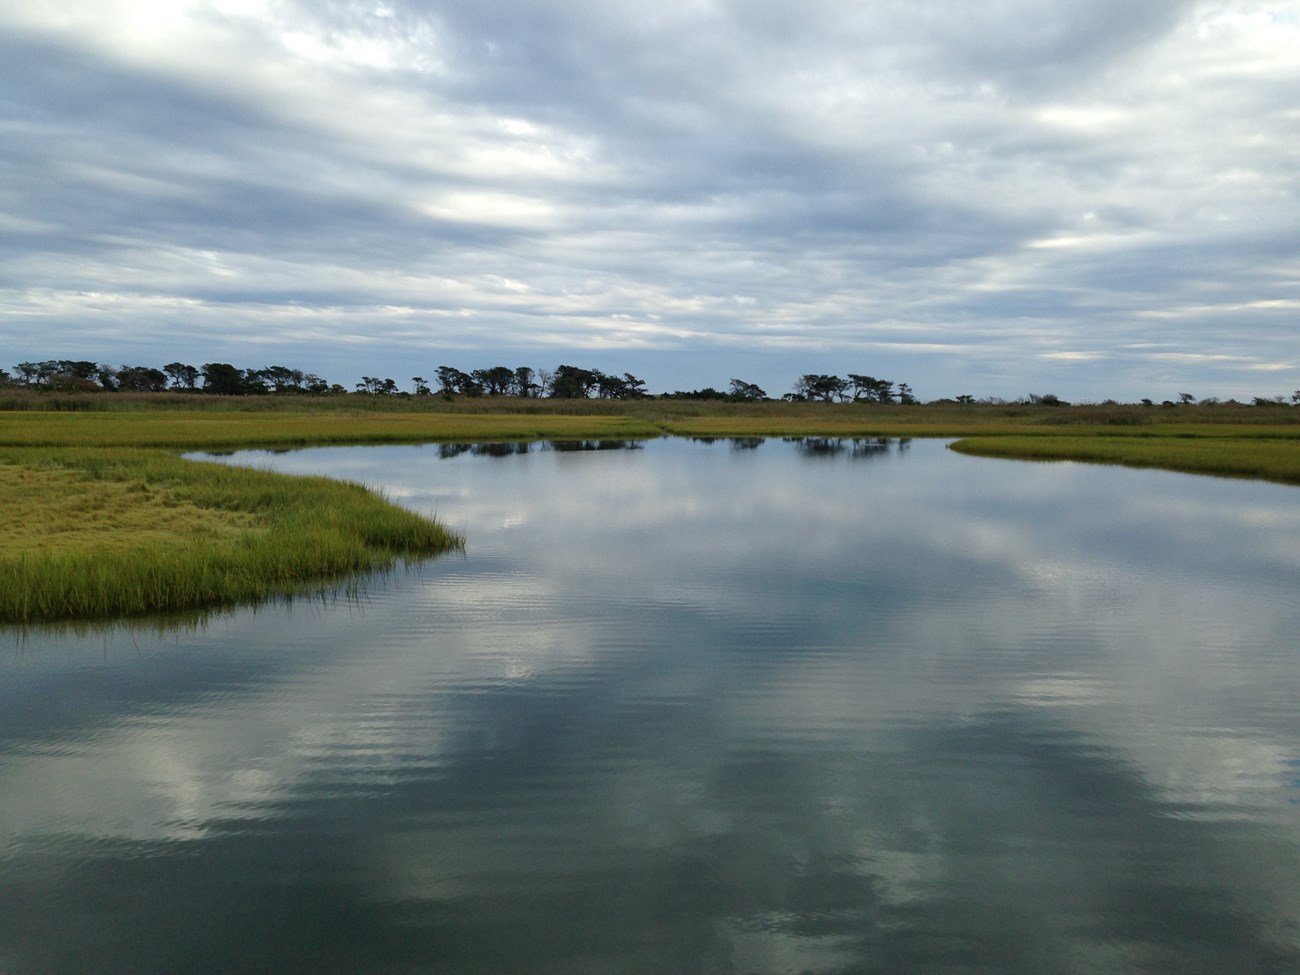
column 524, row 382
column 563, row 382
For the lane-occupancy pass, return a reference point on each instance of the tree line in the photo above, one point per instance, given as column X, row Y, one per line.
column 563, row 382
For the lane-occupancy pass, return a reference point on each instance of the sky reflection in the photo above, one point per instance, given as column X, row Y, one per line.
column 694, row 707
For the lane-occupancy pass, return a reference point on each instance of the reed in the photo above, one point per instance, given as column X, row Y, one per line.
column 100, row 532
column 218, row 430
column 1273, row 459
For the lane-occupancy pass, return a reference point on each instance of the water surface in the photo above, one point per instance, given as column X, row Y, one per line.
column 740, row 706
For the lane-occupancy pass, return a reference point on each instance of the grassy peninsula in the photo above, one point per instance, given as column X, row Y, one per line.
column 103, row 519
column 100, row 532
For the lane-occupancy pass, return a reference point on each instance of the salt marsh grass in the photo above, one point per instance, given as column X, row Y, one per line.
column 1200, row 452
column 98, row 519
column 209, row 430
column 100, row 532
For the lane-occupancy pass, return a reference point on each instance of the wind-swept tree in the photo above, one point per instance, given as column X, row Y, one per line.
column 626, row 386
column 181, row 375
column 633, row 388
column 141, row 379
column 376, row 386
column 570, row 382
column 223, row 379
column 742, row 390
column 29, row 373
column 452, row 381
column 497, row 381
column 869, row 389
column 106, row 376
column 812, row 386
column 280, row 379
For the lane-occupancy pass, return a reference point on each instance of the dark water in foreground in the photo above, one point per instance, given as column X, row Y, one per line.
column 760, row 707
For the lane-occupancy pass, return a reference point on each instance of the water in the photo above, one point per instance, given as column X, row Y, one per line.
column 752, row 707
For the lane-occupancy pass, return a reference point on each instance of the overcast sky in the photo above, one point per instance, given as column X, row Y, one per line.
column 1093, row 199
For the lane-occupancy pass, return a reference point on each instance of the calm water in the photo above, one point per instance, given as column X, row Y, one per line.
column 747, row 707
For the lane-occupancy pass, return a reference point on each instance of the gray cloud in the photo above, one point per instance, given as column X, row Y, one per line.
column 970, row 200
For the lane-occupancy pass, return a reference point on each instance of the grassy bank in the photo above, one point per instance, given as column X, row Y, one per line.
column 227, row 430
column 101, row 520
column 94, row 532
column 1256, row 455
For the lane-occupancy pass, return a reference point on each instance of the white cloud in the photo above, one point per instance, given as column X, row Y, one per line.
column 1092, row 176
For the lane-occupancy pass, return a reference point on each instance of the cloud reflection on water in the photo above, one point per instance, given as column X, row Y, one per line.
column 733, row 710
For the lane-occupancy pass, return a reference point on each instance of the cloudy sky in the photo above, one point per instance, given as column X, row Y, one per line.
column 1095, row 200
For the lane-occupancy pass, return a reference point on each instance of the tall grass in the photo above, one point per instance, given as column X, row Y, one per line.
column 1224, row 456
column 240, row 535
column 98, row 520
column 180, row 430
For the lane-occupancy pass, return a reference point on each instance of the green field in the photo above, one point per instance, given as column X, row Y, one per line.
column 102, row 519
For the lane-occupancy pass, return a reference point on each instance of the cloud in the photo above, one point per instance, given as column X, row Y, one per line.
column 668, row 179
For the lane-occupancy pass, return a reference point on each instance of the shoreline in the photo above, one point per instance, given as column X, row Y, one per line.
column 106, row 520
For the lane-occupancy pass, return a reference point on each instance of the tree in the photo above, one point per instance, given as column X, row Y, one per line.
column 181, row 375
column 524, row 383
column 626, row 386
column 29, row 373
column 497, row 381
column 375, row 386
column 812, row 386
column 141, row 379
column 421, row 388
column 708, row 392
column 570, row 382
column 452, row 381
column 106, row 376
column 1185, row 398
column 869, row 389
column 280, row 379
column 223, row 379
column 742, row 390
column 905, row 395
column 67, row 374
column 81, row 369
column 965, row 398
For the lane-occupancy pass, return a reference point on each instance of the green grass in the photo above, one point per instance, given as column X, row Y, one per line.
column 205, row 430
column 102, row 520
column 1272, row 459
column 98, row 532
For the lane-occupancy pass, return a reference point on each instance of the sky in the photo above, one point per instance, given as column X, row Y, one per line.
column 1095, row 200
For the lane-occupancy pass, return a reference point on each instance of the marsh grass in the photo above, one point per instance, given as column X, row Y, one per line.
column 1254, row 456
column 98, row 520
column 107, row 532
column 179, row 430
